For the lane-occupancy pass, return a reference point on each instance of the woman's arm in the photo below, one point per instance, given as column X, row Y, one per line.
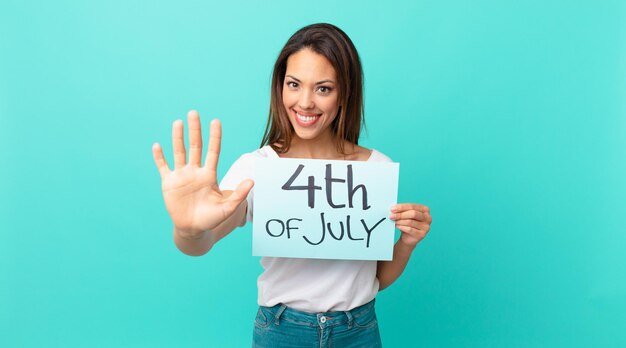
column 389, row 271
column 202, row 213
column 413, row 220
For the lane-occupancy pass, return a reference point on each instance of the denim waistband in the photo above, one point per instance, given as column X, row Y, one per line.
column 324, row 319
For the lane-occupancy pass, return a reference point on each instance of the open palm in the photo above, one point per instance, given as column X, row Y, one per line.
column 191, row 193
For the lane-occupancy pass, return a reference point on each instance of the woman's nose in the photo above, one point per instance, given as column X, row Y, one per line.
column 306, row 101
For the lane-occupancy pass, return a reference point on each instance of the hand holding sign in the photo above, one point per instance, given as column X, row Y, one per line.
column 413, row 220
column 191, row 193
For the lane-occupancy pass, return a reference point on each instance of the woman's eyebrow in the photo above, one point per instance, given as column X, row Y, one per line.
column 317, row 83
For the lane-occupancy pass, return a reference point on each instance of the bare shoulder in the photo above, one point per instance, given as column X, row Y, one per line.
column 357, row 153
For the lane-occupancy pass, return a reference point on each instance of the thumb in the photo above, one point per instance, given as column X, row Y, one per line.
column 240, row 193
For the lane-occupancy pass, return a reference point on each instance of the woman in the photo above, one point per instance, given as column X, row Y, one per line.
column 316, row 111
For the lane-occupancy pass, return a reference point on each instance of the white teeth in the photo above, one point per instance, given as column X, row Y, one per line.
column 306, row 118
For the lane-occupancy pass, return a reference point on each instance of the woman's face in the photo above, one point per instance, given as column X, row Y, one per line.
column 310, row 94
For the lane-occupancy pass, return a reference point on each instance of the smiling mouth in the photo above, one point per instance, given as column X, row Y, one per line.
column 307, row 119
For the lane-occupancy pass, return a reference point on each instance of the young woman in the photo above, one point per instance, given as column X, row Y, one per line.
column 316, row 111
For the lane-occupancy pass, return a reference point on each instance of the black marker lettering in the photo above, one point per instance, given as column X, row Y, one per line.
column 289, row 228
column 348, row 225
column 323, row 233
column 352, row 190
column 329, row 187
column 330, row 231
column 267, row 227
column 310, row 187
column 368, row 231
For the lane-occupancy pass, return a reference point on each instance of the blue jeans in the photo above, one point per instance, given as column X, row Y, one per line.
column 284, row 327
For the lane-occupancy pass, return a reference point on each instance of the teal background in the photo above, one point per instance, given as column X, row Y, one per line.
column 508, row 119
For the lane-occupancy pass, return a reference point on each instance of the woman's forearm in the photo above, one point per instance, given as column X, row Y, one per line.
column 193, row 246
column 389, row 271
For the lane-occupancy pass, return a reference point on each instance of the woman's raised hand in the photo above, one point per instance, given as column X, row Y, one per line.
column 191, row 193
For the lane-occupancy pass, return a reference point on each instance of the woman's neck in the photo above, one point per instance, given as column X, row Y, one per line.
column 306, row 149
column 323, row 147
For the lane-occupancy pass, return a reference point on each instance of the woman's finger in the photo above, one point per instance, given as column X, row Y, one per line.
column 215, row 140
column 413, row 223
column 409, row 214
column 178, row 143
column 428, row 218
column 238, row 195
column 398, row 208
column 159, row 160
column 195, row 138
column 414, row 232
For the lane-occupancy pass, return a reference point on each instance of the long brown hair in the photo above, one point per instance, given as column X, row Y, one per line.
column 332, row 43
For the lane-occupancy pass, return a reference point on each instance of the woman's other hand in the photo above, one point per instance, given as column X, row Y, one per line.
column 191, row 193
column 413, row 220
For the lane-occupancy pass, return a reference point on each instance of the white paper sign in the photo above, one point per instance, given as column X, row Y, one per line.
column 324, row 209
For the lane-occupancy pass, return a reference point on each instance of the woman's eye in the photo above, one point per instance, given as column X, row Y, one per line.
column 292, row 84
column 324, row 89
